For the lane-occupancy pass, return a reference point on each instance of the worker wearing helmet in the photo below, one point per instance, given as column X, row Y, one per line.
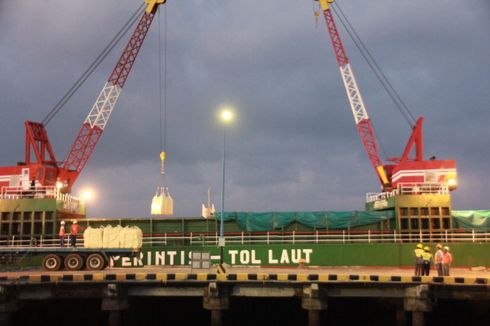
column 62, row 233
column 447, row 259
column 438, row 259
column 74, row 232
column 426, row 261
column 419, row 250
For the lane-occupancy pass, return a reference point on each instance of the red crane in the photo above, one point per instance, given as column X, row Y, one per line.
column 43, row 169
column 410, row 171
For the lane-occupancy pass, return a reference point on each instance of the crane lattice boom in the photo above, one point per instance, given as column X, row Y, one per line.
column 354, row 95
column 405, row 169
column 96, row 121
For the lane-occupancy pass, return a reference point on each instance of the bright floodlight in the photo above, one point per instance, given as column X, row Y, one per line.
column 226, row 115
column 86, row 195
column 452, row 183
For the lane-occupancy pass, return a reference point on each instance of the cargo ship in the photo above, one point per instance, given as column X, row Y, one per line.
column 383, row 237
column 413, row 207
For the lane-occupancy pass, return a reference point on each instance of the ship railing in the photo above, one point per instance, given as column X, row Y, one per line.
column 38, row 192
column 36, row 242
column 377, row 196
column 67, row 198
column 158, row 240
column 406, row 188
column 342, row 236
column 29, row 192
column 294, row 237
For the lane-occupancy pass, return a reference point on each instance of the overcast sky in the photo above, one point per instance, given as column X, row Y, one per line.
column 294, row 145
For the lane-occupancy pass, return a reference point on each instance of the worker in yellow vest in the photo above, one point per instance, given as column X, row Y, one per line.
column 419, row 250
column 426, row 261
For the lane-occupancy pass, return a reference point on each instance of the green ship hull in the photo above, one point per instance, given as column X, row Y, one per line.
column 282, row 255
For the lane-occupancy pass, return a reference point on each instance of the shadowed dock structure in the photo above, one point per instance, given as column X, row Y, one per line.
column 414, row 297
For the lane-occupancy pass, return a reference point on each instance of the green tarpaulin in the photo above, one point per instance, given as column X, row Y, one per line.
column 471, row 219
column 268, row 221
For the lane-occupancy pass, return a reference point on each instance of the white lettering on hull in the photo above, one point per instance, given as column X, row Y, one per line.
column 236, row 257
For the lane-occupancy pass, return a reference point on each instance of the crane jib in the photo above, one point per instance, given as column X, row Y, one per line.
column 98, row 117
column 126, row 61
column 354, row 95
column 338, row 47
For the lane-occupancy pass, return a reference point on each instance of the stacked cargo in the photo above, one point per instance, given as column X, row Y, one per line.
column 131, row 237
column 92, row 237
column 113, row 237
column 110, row 237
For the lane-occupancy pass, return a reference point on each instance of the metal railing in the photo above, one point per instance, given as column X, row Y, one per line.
column 318, row 237
column 405, row 188
column 376, row 196
column 344, row 236
column 37, row 242
column 37, row 192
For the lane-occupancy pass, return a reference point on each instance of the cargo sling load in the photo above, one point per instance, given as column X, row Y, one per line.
column 162, row 203
column 209, row 210
column 408, row 183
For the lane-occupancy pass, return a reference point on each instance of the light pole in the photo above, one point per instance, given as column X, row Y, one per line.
column 226, row 117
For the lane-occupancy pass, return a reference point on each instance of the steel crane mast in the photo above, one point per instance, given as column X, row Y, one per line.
column 405, row 169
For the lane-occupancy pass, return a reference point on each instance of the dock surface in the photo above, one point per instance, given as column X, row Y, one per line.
column 315, row 289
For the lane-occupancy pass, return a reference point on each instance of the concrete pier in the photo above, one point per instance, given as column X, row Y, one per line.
column 418, row 302
column 216, row 301
column 114, row 301
column 410, row 296
column 9, row 304
column 315, row 301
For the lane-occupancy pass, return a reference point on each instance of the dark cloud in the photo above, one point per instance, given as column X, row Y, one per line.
column 294, row 145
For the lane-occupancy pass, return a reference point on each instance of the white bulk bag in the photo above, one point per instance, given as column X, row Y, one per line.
column 92, row 237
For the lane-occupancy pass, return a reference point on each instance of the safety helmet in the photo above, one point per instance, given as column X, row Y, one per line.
column 446, row 248
column 420, row 246
column 439, row 246
column 74, row 221
column 426, row 249
column 62, row 222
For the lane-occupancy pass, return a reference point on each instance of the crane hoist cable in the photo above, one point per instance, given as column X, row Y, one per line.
column 366, row 54
column 88, row 72
column 378, row 72
column 162, row 102
column 162, row 202
column 316, row 14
